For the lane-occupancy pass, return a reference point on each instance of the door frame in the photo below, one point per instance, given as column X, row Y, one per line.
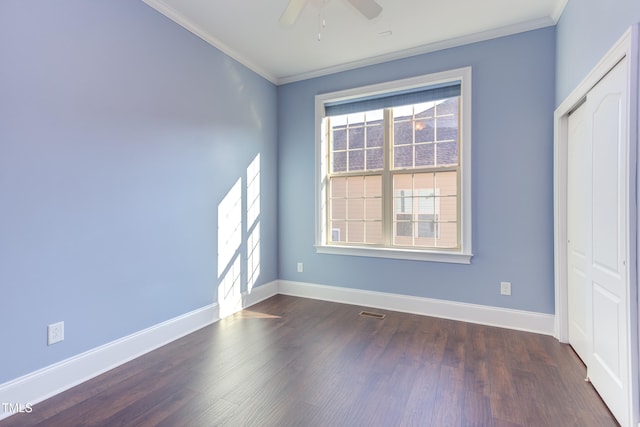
column 626, row 46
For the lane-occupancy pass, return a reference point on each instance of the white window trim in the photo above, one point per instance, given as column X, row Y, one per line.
column 462, row 256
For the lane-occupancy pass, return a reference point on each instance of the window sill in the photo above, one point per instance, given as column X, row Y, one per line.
column 406, row 254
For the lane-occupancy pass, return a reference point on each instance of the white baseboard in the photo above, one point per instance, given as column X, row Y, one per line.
column 261, row 293
column 51, row 380
column 486, row 315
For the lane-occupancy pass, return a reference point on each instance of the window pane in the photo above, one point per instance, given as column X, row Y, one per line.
column 447, row 128
column 402, row 240
column 403, row 112
column 355, row 232
column 373, row 232
column 404, row 226
column 356, row 137
column 403, row 203
column 355, row 187
column 374, row 136
column 356, row 160
column 402, row 181
column 375, row 159
column 448, row 236
column 424, row 130
column 450, row 106
column 339, row 139
column 403, row 209
column 447, row 153
column 424, row 242
column 373, row 186
column 355, row 118
column 338, row 231
column 373, row 209
column 355, row 209
column 424, row 182
column 425, row 203
column 427, row 226
column 339, row 120
column 425, row 155
column 402, row 133
column 403, row 157
column 338, row 187
column 338, row 209
column 339, row 163
column 446, row 183
column 424, row 109
column 374, row 115
column 448, row 211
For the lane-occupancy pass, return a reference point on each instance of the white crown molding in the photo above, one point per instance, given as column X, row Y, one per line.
column 557, row 13
column 473, row 313
column 179, row 19
column 428, row 48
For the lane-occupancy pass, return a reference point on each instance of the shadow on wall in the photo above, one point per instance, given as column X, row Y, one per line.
column 232, row 267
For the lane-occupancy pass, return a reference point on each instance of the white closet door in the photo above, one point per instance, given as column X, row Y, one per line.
column 609, row 366
column 597, row 234
column 578, row 231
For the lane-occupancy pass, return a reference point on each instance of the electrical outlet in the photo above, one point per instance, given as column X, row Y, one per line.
column 505, row 288
column 55, row 333
column 300, row 267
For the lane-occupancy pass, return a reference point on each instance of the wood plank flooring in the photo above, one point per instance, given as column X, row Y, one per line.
column 299, row 362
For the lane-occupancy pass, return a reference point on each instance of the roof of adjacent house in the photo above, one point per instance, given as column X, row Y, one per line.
column 427, row 138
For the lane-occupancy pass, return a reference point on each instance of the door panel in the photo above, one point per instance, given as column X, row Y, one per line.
column 607, row 143
column 608, row 367
column 578, row 226
column 606, row 343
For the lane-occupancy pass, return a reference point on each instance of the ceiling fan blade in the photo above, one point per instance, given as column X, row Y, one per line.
column 292, row 12
column 369, row 8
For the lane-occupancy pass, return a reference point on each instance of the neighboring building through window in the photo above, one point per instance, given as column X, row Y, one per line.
column 393, row 169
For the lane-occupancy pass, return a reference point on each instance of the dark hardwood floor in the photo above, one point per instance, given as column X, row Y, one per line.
column 298, row 362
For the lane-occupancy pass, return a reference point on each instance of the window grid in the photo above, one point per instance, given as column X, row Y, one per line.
column 355, row 214
column 421, row 131
column 426, row 212
column 387, row 95
column 357, row 143
column 435, row 129
column 426, row 229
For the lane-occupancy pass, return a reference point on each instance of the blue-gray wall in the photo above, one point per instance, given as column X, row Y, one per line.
column 120, row 132
column 512, row 137
column 586, row 30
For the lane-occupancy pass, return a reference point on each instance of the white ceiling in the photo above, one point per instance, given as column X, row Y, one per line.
column 248, row 30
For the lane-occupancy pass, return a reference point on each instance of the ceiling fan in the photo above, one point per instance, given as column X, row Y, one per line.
column 369, row 8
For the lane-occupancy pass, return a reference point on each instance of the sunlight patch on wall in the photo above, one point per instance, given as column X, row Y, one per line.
column 235, row 228
column 229, row 294
column 229, row 226
column 253, row 192
column 253, row 257
column 253, row 222
column 229, row 240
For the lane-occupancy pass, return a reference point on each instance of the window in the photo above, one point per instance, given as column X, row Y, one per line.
column 393, row 169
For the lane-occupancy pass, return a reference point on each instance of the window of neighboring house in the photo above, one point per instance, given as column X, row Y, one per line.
column 394, row 169
column 419, row 220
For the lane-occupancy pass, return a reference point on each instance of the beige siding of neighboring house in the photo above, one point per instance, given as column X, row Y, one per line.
column 356, row 210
